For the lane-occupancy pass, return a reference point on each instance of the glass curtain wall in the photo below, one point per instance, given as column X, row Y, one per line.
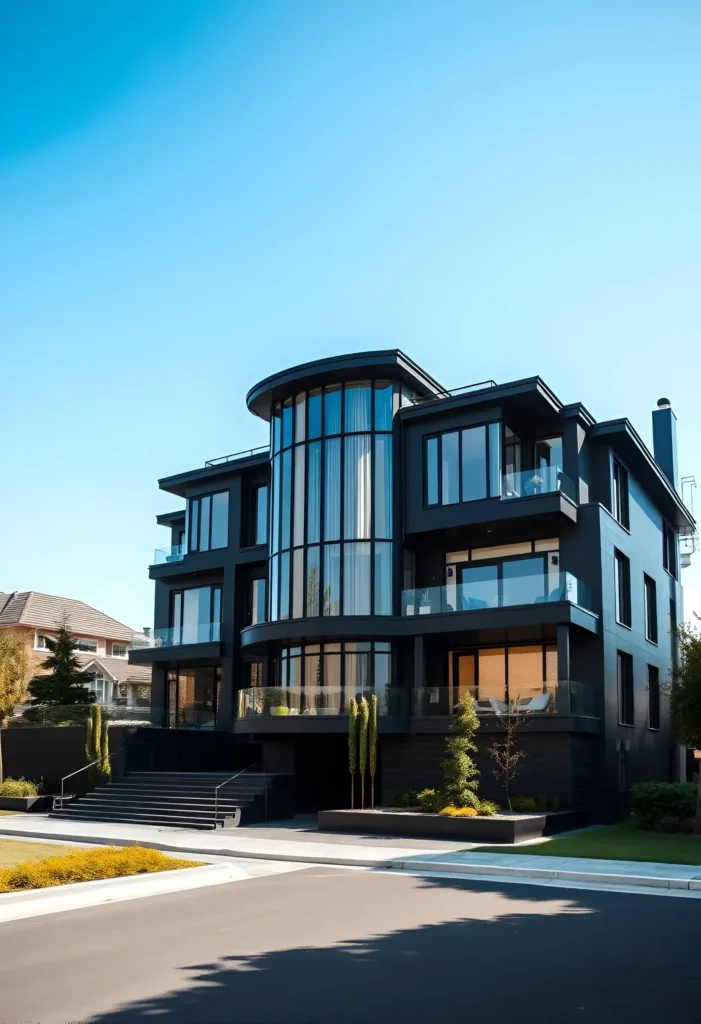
column 331, row 501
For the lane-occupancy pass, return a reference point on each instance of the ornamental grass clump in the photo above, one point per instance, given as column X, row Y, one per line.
column 89, row 866
column 458, row 812
column 18, row 787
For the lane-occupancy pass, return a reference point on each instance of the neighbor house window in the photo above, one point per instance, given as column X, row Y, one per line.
column 120, row 650
column 620, row 495
column 650, row 610
column 622, row 582
column 463, row 465
column 102, row 689
column 653, row 697
column 669, row 549
column 208, row 521
column 86, row 646
column 626, row 707
column 196, row 615
column 41, row 644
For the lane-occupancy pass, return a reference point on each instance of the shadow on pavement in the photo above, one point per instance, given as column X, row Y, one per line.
column 512, row 953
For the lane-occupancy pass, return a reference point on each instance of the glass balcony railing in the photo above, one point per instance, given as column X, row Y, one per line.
column 505, row 592
column 529, row 482
column 176, row 553
column 190, row 633
column 564, row 697
column 282, row 702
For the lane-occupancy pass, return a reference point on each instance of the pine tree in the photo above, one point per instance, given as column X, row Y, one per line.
column 459, row 770
column 65, row 683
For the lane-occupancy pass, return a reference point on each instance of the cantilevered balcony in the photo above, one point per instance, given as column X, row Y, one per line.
column 496, row 591
column 165, row 556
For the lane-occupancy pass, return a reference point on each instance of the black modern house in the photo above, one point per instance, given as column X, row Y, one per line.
column 400, row 539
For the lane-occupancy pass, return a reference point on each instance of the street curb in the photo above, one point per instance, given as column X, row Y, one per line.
column 17, row 905
column 503, row 871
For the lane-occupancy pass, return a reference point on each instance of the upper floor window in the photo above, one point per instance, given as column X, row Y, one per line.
column 669, row 549
column 256, row 601
column 87, row 646
column 260, row 514
column 620, row 495
column 622, row 582
column 653, row 697
column 463, row 465
column 120, row 650
column 196, row 615
column 650, row 609
column 208, row 521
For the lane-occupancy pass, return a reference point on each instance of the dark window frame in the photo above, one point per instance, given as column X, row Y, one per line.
column 340, row 649
column 650, row 601
column 669, row 550
column 194, row 524
column 174, row 722
column 438, row 436
column 620, row 499
column 654, row 710
column 622, row 589
column 625, row 678
column 179, row 593
column 544, row 645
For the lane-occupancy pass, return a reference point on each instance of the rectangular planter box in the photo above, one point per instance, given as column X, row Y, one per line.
column 35, row 804
column 501, row 828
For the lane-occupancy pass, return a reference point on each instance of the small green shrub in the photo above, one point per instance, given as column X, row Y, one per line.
column 18, row 787
column 653, row 801
column 429, row 801
column 523, row 803
column 406, row 798
column 458, row 812
column 669, row 824
column 88, row 866
column 487, row 808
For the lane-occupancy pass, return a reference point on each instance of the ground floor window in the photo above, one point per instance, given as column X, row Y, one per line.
column 102, row 688
column 193, row 697
column 496, row 676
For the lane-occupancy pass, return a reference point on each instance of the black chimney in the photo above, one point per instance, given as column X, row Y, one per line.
column 664, row 440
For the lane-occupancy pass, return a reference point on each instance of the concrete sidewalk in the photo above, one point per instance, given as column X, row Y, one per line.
column 301, row 843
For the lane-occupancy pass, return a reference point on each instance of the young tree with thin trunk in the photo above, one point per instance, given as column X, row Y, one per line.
column 685, row 698
column 372, row 740
column 506, row 753
column 352, row 745
column 15, row 672
column 364, row 713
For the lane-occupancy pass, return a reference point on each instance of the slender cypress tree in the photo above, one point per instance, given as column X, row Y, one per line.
column 373, row 747
column 352, row 745
column 459, row 770
column 363, row 746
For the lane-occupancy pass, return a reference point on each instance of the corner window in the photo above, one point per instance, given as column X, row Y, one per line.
column 626, row 706
column 463, row 465
column 622, row 583
column 653, row 697
column 669, row 550
column 208, row 519
column 650, row 609
column 619, row 502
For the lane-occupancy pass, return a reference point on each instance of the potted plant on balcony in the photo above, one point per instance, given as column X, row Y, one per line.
column 533, row 484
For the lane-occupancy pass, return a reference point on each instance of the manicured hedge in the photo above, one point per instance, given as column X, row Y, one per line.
column 88, row 866
column 653, row 801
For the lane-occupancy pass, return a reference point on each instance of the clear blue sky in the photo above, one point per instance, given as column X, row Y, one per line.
column 195, row 194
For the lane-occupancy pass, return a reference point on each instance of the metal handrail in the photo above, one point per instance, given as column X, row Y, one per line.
column 105, row 757
column 226, row 783
column 453, row 391
column 236, row 455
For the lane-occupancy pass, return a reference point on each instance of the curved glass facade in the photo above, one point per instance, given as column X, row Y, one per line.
column 331, row 501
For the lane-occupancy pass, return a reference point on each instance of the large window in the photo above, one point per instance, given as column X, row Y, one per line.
column 626, row 689
column 622, row 584
column 331, row 501
column 355, row 665
column 650, row 609
column 85, row 645
column 669, row 549
column 620, row 495
column 496, row 676
column 193, row 697
column 653, row 697
column 463, row 465
column 102, row 688
column 208, row 521
column 196, row 615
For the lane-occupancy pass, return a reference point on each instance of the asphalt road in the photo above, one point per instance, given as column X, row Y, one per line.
column 358, row 947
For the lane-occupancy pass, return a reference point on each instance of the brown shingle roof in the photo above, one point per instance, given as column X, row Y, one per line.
column 118, row 669
column 46, row 612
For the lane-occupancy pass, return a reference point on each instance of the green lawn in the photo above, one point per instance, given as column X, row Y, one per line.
column 614, row 842
column 14, row 851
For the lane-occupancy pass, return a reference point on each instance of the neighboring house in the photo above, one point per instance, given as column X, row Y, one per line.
column 415, row 543
column 102, row 643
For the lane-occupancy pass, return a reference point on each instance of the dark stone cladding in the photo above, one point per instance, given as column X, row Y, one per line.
column 385, row 363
